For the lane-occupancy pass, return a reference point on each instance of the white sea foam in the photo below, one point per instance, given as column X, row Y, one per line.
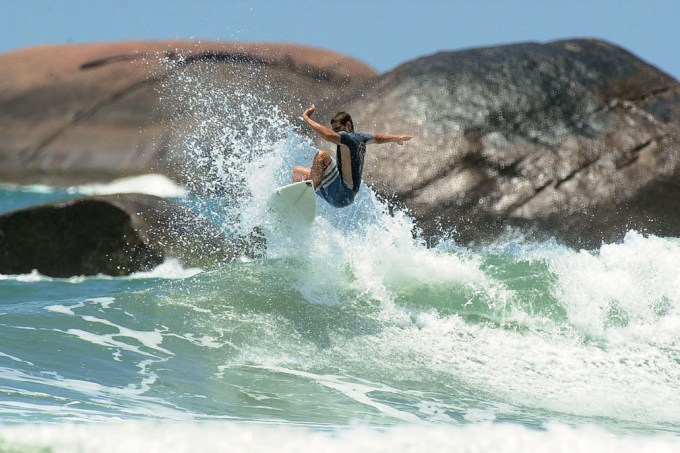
column 130, row 400
column 171, row 269
column 33, row 277
column 628, row 371
column 356, row 390
column 151, row 184
column 634, row 284
column 149, row 339
column 63, row 309
column 172, row 437
column 104, row 302
column 15, row 359
column 34, row 188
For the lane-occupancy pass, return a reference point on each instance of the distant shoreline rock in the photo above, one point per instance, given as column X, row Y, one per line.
column 73, row 114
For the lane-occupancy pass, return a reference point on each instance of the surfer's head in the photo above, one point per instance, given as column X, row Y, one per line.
column 342, row 122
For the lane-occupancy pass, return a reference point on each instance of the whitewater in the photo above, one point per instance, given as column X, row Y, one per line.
column 354, row 334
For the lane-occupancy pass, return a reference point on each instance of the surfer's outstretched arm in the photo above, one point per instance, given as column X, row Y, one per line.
column 321, row 130
column 390, row 138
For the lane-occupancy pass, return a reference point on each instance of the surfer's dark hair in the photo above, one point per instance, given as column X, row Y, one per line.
column 342, row 118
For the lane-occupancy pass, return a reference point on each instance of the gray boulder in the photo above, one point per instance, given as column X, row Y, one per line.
column 573, row 139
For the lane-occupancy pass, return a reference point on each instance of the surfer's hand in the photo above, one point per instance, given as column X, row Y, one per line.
column 309, row 112
column 403, row 138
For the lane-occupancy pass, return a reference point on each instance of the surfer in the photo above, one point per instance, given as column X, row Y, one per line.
column 337, row 180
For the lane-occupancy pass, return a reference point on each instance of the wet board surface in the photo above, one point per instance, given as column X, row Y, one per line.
column 294, row 203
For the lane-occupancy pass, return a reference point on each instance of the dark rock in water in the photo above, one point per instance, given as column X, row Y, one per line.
column 575, row 139
column 71, row 114
column 114, row 235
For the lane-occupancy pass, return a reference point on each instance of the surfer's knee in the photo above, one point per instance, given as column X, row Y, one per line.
column 322, row 157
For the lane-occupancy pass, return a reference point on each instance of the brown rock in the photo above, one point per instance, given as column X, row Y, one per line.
column 77, row 113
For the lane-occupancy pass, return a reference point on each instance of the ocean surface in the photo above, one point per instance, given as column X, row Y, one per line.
column 352, row 335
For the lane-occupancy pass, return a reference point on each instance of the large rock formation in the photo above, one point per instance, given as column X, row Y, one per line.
column 577, row 139
column 113, row 235
column 81, row 113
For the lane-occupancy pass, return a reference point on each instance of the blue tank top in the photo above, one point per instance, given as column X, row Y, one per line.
column 350, row 157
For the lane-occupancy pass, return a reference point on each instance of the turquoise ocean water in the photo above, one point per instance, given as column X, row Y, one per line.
column 351, row 336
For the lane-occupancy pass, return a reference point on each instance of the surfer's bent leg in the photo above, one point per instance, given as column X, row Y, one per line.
column 321, row 161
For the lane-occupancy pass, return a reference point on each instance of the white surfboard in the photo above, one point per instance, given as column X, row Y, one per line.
column 295, row 203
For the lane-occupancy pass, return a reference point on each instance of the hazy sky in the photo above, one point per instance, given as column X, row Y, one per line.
column 381, row 33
